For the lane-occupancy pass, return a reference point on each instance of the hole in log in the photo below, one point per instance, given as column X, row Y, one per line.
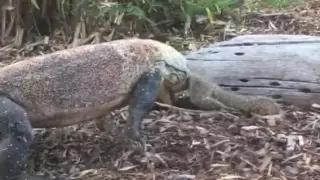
column 280, row 101
column 275, row 83
column 244, row 80
column 213, row 52
column 239, row 53
column 234, row 89
column 305, row 90
column 276, row 96
column 248, row 44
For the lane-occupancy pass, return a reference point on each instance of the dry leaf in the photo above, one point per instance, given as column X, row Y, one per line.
column 232, row 177
column 265, row 162
column 250, row 128
column 126, row 168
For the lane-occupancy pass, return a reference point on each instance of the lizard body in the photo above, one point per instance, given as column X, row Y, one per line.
column 79, row 85
column 210, row 96
column 84, row 83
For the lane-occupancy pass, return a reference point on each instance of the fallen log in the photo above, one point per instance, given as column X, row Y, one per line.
column 283, row 67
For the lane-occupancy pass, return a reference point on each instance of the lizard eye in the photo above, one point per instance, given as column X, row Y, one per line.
column 170, row 68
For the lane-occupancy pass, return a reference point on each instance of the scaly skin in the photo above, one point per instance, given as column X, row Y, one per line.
column 209, row 96
column 82, row 84
column 76, row 85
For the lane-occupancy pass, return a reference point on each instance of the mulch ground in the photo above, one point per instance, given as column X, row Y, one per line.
column 184, row 145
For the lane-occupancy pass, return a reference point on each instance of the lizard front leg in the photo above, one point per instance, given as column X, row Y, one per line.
column 165, row 95
column 143, row 96
column 208, row 103
column 15, row 139
column 202, row 94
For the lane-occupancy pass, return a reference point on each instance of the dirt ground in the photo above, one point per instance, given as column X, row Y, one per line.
column 202, row 146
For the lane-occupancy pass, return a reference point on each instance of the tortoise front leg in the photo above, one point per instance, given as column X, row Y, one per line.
column 143, row 96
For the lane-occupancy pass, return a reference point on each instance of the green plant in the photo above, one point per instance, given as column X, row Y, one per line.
column 278, row 4
column 81, row 17
column 281, row 3
column 147, row 11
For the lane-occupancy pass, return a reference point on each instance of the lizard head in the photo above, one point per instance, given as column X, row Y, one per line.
column 173, row 65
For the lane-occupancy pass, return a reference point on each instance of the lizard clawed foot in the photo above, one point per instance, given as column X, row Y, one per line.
column 136, row 141
column 143, row 96
column 133, row 142
column 46, row 176
column 137, row 145
column 26, row 176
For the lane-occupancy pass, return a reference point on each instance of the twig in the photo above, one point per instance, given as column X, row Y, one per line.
column 83, row 33
column 291, row 158
column 90, row 38
column 248, row 162
column 19, row 37
column 10, row 27
column 194, row 111
column 3, row 23
column 311, row 152
column 219, row 143
column 44, row 9
column 76, row 35
column 181, row 109
column 117, row 22
column 36, row 26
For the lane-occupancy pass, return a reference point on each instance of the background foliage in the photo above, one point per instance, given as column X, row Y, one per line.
column 84, row 18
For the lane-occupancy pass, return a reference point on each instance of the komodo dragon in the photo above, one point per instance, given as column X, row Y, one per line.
column 77, row 85
column 81, row 84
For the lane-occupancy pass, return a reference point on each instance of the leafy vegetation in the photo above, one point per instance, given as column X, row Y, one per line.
column 86, row 16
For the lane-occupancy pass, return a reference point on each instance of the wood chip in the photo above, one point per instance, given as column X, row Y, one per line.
column 265, row 162
column 250, row 128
